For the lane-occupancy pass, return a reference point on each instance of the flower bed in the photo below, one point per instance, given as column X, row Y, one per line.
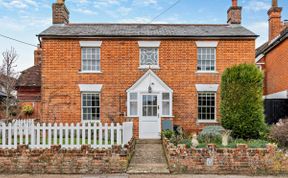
column 213, row 160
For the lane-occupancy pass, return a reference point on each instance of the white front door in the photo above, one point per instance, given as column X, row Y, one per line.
column 149, row 121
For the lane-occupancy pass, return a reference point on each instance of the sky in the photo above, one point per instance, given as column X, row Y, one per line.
column 24, row 19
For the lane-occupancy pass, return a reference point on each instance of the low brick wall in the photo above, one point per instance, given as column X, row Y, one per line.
column 212, row 160
column 61, row 161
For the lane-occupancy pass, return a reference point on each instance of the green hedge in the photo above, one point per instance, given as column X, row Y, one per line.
column 241, row 101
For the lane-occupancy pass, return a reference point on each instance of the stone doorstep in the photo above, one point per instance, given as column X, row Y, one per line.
column 148, row 141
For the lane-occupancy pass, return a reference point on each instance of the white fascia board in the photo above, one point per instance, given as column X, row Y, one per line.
column 278, row 95
column 90, row 43
column 149, row 44
column 259, row 57
column 207, row 44
column 90, row 87
column 207, row 87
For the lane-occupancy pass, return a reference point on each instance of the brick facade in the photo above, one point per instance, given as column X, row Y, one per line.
column 61, row 63
column 276, row 75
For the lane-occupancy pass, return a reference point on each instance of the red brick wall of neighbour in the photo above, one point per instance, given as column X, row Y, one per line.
column 276, row 75
column 119, row 66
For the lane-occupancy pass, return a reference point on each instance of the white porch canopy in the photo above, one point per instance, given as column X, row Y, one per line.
column 152, row 80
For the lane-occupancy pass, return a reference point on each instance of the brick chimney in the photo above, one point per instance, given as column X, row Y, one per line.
column 37, row 55
column 60, row 13
column 275, row 23
column 234, row 13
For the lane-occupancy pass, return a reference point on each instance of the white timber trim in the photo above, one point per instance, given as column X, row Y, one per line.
column 207, row 44
column 207, row 87
column 259, row 57
column 91, row 44
column 90, row 87
column 149, row 44
column 278, row 95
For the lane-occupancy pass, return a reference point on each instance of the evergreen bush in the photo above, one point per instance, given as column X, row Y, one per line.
column 241, row 101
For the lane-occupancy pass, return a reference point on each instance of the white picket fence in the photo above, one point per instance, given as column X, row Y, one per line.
column 68, row 136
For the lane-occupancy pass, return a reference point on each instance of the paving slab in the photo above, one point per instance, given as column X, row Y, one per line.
column 148, row 158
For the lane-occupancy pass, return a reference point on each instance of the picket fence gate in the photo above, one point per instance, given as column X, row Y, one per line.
column 38, row 136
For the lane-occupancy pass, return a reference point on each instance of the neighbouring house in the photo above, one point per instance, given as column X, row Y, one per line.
column 28, row 86
column 272, row 58
column 148, row 73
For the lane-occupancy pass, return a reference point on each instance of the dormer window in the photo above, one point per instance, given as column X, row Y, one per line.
column 149, row 54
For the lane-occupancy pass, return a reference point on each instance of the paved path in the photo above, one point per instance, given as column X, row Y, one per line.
column 134, row 176
column 148, row 158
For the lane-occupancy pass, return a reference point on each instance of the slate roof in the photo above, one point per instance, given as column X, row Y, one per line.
column 146, row 30
column 266, row 47
column 30, row 77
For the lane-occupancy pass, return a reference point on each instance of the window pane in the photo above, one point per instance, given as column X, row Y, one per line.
column 206, row 106
column 90, row 106
column 90, row 59
column 133, row 108
column 148, row 56
column 133, row 96
column 206, row 59
column 165, row 96
column 166, row 108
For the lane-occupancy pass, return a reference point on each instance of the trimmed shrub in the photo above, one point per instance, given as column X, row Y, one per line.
column 168, row 133
column 241, row 101
column 279, row 133
column 211, row 134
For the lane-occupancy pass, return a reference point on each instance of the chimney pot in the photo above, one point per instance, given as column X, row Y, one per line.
column 274, row 3
column 61, row 1
column 234, row 3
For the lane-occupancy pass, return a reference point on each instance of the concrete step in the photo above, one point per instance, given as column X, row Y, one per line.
column 148, row 141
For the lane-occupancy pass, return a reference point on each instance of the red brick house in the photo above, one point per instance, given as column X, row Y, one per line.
column 272, row 58
column 147, row 73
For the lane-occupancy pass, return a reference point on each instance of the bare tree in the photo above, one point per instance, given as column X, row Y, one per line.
column 8, row 77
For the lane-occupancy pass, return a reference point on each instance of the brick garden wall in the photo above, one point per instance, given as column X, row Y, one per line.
column 212, row 160
column 59, row 161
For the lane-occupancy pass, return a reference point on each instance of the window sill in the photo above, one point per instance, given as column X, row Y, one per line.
column 207, row 121
column 207, row 72
column 131, row 116
column 92, row 122
column 167, row 116
column 90, row 72
column 147, row 67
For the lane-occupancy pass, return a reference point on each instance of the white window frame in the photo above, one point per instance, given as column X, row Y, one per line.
column 207, row 44
column 215, row 108
column 207, row 71
column 149, row 44
column 90, row 44
column 128, row 104
column 90, row 121
column 170, row 104
column 148, row 66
